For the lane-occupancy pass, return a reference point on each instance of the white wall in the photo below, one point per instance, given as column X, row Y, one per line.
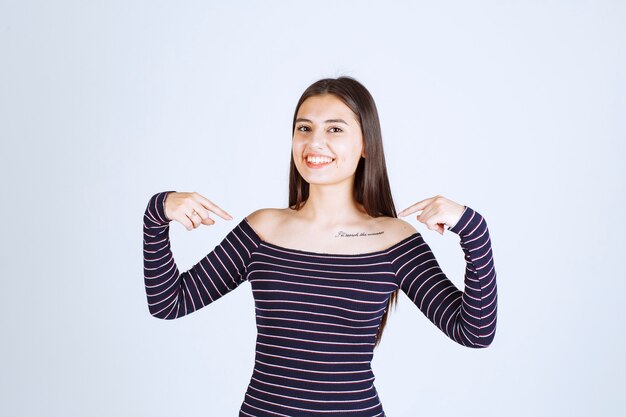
column 513, row 108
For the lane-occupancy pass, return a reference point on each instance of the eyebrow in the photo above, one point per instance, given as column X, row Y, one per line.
column 326, row 121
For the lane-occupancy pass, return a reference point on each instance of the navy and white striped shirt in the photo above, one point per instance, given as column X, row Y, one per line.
column 317, row 314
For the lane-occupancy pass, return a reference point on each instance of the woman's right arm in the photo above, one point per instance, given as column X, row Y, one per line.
column 172, row 294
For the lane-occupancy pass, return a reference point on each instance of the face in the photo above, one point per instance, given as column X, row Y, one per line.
column 327, row 128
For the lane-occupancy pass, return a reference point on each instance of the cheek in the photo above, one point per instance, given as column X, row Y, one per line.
column 296, row 151
column 297, row 143
column 352, row 153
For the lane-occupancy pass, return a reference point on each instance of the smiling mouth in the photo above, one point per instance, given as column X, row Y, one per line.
column 318, row 163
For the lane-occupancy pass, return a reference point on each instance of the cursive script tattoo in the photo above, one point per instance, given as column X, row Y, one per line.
column 345, row 234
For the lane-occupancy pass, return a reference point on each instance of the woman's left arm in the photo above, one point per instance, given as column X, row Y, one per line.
column 468, row 317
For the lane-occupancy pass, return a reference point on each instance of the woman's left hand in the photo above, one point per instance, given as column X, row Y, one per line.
column 437, row 212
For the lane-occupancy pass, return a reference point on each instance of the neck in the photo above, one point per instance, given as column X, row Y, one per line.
column 330, row 205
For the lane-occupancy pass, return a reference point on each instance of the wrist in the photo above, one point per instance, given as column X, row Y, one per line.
column 161, row 205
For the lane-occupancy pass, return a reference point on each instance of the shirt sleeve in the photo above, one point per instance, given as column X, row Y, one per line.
column 468, row 317
column 172, row 294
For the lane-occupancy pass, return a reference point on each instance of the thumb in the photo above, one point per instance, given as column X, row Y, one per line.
column 208, row 221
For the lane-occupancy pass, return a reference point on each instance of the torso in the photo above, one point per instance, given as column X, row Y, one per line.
column 283, row 227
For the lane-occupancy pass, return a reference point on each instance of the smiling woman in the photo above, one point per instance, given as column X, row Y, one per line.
column 325, row 270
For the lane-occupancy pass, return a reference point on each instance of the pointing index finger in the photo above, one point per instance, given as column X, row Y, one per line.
column 415, row 207
column 214, row 207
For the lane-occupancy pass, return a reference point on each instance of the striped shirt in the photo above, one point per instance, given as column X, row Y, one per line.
column 317, row 314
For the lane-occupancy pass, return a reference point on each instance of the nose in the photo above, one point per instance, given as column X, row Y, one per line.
column 317, row 139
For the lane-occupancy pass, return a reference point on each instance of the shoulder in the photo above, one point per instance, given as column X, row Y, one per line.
column 396, row 229
column 265, row 215
column 264, row 220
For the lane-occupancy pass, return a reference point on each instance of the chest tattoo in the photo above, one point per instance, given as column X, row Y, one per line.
column 341, row 233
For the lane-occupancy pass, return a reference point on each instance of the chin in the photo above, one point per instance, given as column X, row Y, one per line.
column 323, row 178
column 324, row 181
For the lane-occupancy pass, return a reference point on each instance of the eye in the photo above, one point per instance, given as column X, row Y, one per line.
column 302, row 128
column 335, row 131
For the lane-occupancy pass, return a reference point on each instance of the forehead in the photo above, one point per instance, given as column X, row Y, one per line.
column 324, row 107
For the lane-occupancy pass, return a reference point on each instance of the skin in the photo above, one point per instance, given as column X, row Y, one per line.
column 330, row 219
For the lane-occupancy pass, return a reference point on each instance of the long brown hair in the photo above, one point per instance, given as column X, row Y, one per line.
column 371, row 184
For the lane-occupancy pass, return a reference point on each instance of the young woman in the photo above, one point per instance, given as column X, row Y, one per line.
column 325, row 270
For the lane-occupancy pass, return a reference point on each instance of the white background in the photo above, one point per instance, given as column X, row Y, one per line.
column 513, row 108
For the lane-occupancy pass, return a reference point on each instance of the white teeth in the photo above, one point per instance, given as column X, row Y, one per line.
column 319, row 159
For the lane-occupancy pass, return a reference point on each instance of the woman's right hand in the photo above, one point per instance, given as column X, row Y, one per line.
column 192, row 209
